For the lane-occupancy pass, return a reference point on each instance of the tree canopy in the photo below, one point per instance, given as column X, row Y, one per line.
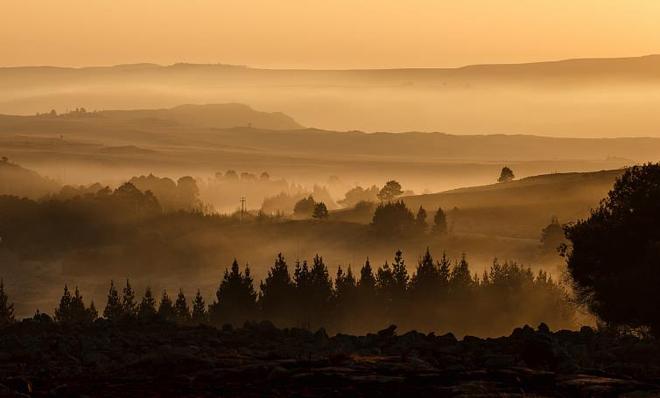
column 614, row 254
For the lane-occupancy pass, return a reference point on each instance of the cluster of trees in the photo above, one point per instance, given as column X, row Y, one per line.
column 395, row 219
column 173, row 196
column 306, row 207
column 439, row 295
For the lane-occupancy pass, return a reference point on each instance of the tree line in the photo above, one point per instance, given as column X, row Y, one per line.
column 438, row 295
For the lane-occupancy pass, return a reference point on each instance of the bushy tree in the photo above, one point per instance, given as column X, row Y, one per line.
column 393, row 219
column 113, row 308
column 506, row 175
column 277, row 293
column 236, row 298
column 304, row 207
column 390, row 191
column 6, row 308
column 614, row 254
column 359, row 194
column 147, row 307
column 440, row 222
column 199, row 312
column 320, row 211
column 166, row 308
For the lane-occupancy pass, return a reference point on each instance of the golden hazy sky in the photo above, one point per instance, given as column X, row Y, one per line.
column 323, row 33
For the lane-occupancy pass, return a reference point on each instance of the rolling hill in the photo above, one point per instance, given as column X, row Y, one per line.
column 580, row 97
column 520, row 208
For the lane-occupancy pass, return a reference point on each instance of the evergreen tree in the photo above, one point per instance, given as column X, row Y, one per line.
column 181, row 309
column 440, row 222
column 113, row 309
column 199, row 313
column 78, row 312
column 6, row 309
column 420, row 220
column 344, row 299
column 345, row 286
column 277, row 293
column 368, row 311
column 385, row 283
column 444, row 271
column 236, row 298
column 166, row 308
column 461, row 278
column 129, row 304
column 92, row 312
column 317, row 304
column 400, row 273
column 147, row 308
column 72, row 309
column 424, row 282
column 63, row 311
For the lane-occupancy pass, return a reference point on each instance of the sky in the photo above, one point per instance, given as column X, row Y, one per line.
column 323, row 34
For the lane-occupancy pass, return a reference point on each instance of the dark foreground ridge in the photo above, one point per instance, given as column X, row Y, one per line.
column 162, row 360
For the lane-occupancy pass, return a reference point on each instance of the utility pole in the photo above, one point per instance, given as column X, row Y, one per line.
column 243, row 207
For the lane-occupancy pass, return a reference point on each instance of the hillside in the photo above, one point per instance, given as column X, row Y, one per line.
column 520, row 208
column 196, row 140
column 19, row 181
column 581, row 97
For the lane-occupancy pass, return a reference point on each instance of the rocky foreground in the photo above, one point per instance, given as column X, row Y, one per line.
column 163, row 360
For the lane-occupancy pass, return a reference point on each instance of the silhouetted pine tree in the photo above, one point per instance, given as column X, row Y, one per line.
column 113, row 308
column 78, row 311
column 6, row 309
column 147, row 307
column 302, row 284
column 424, row 282
column 367, row 309
column 440, row 222
column 385, row 284
column 420, row 220
column 92, row 312
column 321, row 293
column 345, row 286
column 277, row 293
column 72, row 309
column 181, row 309
column 128, row 303
column 236, row 298
column 166, row 308
column 199, row 313
column 63, row 311
column 344, row 298
column 461, row 278
column 400, row 274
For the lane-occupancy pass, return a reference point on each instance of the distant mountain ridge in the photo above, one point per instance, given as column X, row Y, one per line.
column 219, row 116
column 579, row 97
